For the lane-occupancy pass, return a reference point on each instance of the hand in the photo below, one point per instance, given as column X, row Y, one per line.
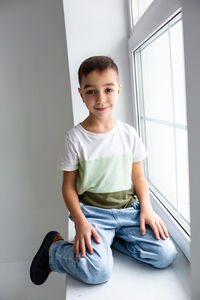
column 84, row 232
column 148, row 216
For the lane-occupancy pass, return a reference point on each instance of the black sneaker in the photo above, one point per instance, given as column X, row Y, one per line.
column 40, row 269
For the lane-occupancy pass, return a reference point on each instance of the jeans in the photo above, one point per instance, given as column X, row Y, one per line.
column 119, row 228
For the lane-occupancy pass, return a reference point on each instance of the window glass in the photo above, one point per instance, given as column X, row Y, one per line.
column 177, row 55
column 161, row 163
column 182, row 173
column 160, row 84
column 156, row 76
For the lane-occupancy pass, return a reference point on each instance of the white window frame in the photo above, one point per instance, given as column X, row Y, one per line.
column 154, row 18
column 135, row 13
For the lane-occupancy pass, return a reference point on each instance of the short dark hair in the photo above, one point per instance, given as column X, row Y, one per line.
column 96, row 63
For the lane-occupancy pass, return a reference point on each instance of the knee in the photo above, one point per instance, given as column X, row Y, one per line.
column 166, row 254
column 99, row 272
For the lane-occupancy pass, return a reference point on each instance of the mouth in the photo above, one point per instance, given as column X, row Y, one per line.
column 102, row 108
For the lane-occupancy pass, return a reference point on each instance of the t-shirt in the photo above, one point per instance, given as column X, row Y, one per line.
column 104, row 164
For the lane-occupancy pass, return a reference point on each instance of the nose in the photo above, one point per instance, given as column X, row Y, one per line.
column 100, row 98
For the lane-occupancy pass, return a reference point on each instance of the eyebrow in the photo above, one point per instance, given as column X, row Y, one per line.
column 106, row 84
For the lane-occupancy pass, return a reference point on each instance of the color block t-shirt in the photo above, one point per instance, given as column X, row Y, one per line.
column 104, row 164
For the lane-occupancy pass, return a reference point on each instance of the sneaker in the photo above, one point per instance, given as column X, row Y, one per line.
column 40, row 269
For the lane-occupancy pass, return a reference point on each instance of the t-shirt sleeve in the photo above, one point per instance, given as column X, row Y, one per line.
column 69, row 159
column 139, row 150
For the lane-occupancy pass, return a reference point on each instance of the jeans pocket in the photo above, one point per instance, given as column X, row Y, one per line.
column 136, row 204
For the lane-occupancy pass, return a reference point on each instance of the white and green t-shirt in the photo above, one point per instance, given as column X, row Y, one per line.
column 104, row 164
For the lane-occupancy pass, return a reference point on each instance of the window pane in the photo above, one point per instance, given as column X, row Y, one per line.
column 156, row 75
column 183, row 173
column 161, row 161
column 178, row 72
column 160, row 81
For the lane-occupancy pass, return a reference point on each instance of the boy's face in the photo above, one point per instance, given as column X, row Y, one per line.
column 100, row 91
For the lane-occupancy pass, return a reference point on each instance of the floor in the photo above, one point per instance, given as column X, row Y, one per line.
column 16, row 285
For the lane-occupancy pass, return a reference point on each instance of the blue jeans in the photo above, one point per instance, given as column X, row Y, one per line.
column 119, row 228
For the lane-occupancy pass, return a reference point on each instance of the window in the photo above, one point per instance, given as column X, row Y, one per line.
column 157, row 60
column 138, row 8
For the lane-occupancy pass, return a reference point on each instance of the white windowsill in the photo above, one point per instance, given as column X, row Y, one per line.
column 135, row 280
column 175, row 230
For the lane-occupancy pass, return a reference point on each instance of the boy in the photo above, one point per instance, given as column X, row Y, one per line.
column 102, row 171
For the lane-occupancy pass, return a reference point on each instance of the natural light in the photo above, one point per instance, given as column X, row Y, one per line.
column 162, row 117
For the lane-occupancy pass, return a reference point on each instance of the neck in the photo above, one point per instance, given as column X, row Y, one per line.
column 101, row 122
column 100, row 125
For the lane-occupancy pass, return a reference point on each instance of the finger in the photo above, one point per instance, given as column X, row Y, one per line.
column 95, row 236
column 164, row 229
column 142, row 226
column 76, row 248
column 82, row 246
column 89, row 245
column 155, row 230
column 161, row 231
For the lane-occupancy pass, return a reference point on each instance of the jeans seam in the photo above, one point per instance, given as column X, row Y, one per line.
column 116, row 219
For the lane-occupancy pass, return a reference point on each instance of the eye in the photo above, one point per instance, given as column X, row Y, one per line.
column 108, row 90
column 90, row 92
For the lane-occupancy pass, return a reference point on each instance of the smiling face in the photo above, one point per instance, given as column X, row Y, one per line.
column 99, row 91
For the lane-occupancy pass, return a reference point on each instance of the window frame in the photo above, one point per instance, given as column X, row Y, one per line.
column 135, row 14
column 154, row 19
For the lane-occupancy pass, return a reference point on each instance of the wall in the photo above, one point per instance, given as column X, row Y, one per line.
column 100, row 28
column 96, row 27
column 35, row 112
column 191, row 26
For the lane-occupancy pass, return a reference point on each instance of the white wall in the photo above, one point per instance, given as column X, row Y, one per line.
column 101, row 28
column 96, row 27
column 35, row 112
column 191, row 26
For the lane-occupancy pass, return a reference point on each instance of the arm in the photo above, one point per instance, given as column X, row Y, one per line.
column 147, row 215
column 84, row 230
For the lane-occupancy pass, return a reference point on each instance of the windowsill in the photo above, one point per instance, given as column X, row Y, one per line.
column 175, row 230
column 132, row 279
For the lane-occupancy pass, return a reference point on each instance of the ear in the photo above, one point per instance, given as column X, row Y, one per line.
column 119, row 88
column 81, row 93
